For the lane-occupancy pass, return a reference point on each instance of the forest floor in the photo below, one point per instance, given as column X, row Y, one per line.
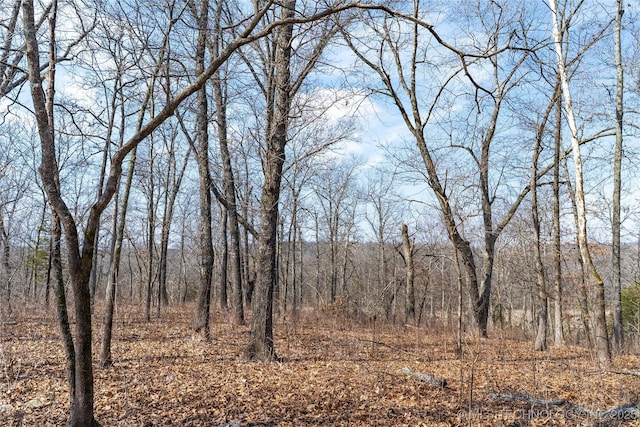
column 332, row 372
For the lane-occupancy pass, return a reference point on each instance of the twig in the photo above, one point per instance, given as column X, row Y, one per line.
column 625, row 372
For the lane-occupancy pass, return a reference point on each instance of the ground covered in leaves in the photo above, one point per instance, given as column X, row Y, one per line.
column 332, row 372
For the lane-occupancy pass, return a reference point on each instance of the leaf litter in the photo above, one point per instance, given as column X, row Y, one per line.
column 332, row 371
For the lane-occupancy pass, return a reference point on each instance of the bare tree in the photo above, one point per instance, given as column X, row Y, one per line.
column 618, row 330
column 558, row 332
column 600, row 326
column 399, row 66
column 80, row 244
column 220, row 84
column 80, row 370
column 261, row 345
column 279, row 85
column 201, row 15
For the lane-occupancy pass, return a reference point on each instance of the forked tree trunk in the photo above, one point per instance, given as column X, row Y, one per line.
column 79, row 262
column 167, row 220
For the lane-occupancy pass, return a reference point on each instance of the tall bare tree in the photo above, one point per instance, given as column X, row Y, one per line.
column 229, row 182
column 80, row 372
column 80, row 239
column 558, row 331
column 261, row 345
column 279, row 88
column 201, row 15
column 399, row 65
column 618, row 330
column 600, row 323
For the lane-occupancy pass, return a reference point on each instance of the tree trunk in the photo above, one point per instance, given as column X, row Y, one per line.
column 167, row 220
column 151, row 232
column 6, row 265
column 600, row 326
column 114, row 267
column 235, row 266
column 410, row 301
column 261, row 345
column 558, row 333
column 456, row 260
column 618, row 332
column 584, row 295
column 61, row 303
column 79, row 263
column 202, row 157
column 540, row 343
column 224, row 260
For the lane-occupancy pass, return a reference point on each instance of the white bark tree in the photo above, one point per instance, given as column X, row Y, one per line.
column 601, row 337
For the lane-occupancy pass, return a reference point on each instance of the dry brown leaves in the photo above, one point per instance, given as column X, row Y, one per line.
column 332, row 373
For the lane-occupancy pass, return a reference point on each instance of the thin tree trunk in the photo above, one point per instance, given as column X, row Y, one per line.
column 540, row 343
column 600, row 327
column 61, row 303
column 618, row 332
column 224, row 258
column 6, row 266
column 410, row 304
column 584, row 295
column 151, row 232
column 35, row 277
column 558, row 333
column 106, row 358
column 456, row 261
column 234, row 258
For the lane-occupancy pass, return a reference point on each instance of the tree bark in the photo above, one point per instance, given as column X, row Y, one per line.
column 261, row 345
column 234, row 259
column 202, row 157
column 601, row 337
column 558, row 333
column 408, row 248
column 540, row 343
column 224, row 259
column 114, row 267
column 79, row 262
column 151, row 231
column 618, row 332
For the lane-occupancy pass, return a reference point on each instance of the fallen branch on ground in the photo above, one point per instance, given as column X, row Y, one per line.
column 625, row 372
column 427, row 378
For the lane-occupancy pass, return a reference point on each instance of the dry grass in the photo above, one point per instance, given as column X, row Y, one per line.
column 333, row 372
